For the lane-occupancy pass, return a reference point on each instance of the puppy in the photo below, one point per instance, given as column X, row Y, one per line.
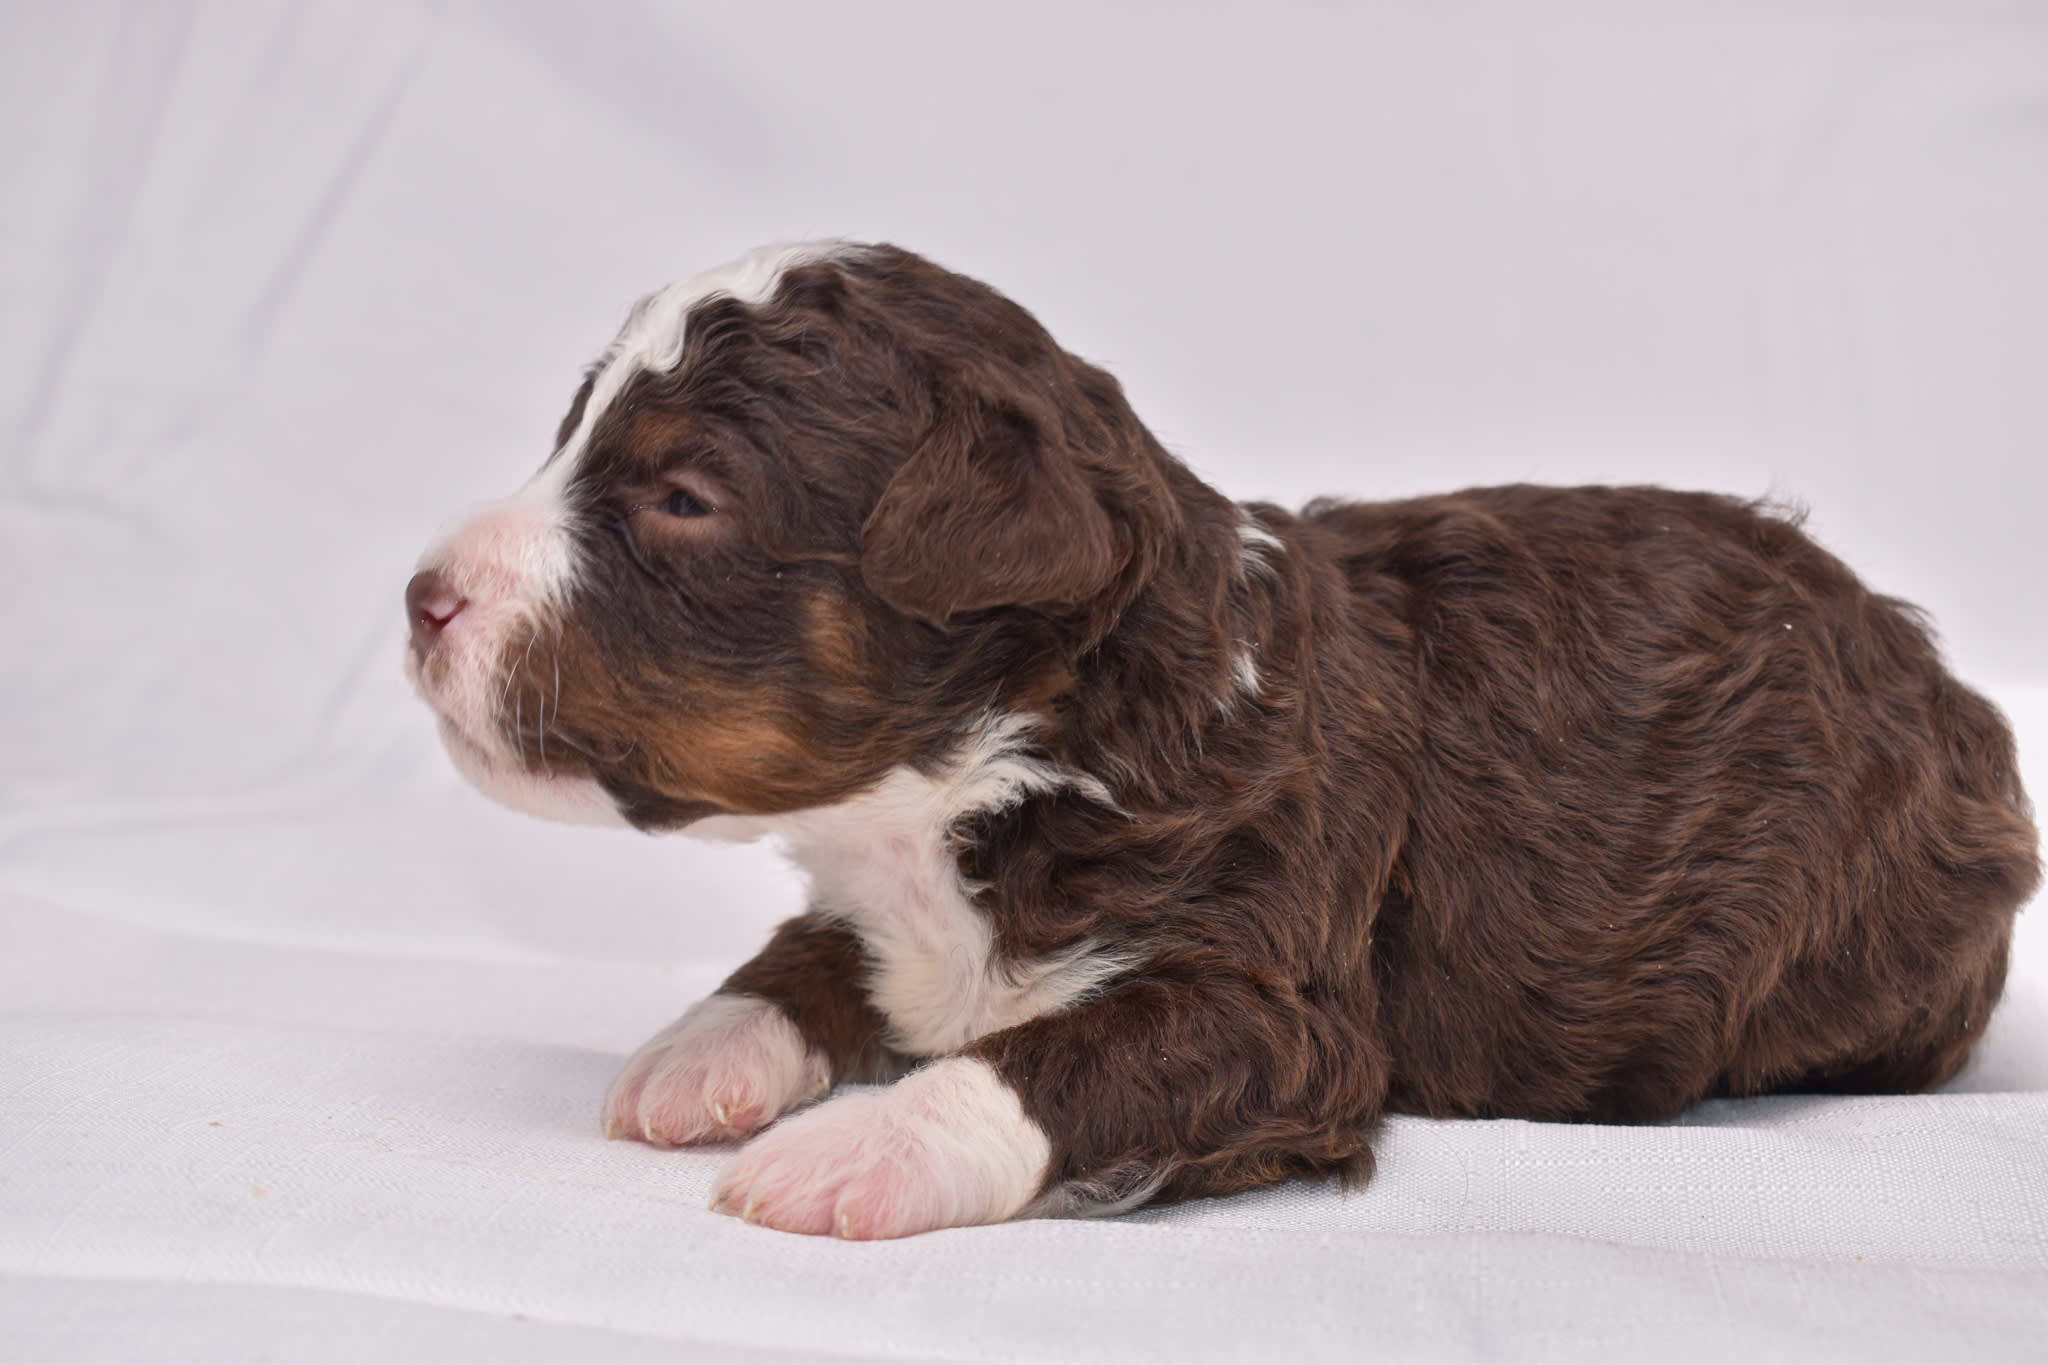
column 1160, row 843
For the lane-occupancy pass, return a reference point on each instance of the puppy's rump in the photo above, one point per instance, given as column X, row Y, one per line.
column 1697, row 812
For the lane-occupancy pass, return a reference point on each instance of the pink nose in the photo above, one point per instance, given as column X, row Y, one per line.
column 430, row 604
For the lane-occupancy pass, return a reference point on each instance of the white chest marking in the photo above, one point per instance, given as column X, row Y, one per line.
column 884, row 863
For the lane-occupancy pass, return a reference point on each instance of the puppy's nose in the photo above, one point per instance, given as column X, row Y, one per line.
column 430, row 604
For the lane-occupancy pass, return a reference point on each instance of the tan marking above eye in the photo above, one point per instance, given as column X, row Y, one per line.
column 651, row 435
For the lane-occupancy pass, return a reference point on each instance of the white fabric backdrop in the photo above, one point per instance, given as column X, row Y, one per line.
column 301, row 1044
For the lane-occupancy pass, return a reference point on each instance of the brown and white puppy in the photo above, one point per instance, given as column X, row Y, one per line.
column 1165, row 842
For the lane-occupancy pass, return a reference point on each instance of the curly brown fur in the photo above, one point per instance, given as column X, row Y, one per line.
column 1551, row 803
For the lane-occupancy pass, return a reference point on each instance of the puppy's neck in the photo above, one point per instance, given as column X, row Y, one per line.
column 1197, row 649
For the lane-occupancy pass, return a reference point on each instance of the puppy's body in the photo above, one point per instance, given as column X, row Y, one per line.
column 1193, row 836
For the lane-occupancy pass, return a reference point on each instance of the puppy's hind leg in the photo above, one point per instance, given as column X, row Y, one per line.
column 1175, row 1086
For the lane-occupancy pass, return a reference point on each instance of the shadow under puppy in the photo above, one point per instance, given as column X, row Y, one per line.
column 1165, row 842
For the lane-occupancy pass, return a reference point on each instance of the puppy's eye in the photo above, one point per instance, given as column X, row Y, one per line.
column 682, row 503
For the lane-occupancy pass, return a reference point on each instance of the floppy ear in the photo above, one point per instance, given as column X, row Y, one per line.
column 991, row 510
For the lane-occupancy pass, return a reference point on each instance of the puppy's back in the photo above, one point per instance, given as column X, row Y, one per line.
column 1695, row 812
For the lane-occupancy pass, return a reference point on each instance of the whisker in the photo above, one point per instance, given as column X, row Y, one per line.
column 506, row 690
column 540, row 719
column 540, row 724
column 595, row 757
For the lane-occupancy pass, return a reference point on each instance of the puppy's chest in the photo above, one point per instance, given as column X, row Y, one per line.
column 886, row 867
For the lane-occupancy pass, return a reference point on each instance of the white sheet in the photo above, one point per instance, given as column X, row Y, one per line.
column 301, row 1044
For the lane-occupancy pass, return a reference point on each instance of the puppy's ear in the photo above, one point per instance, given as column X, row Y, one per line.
column 992, row 510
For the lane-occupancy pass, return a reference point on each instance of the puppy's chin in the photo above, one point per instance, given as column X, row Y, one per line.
column 570, row 800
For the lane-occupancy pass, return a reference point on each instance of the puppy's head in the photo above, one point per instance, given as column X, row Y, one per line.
column 807, row 518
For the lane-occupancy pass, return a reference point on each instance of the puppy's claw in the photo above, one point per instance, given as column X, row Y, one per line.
column 728, row 1066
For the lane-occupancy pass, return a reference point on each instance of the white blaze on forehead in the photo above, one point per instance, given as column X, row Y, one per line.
column 653, row 337
column 539, row 514
column 524, row 536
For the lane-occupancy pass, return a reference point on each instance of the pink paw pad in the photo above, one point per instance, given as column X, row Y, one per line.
column 947, row 1147
column 729, row 1066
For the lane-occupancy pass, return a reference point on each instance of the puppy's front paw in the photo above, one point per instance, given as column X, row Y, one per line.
column 946, row 1147
column 719, row 1073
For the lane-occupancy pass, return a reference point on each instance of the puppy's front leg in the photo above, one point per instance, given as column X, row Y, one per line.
column 947, row 1146
column 1161, row 1087
column 779, row 1033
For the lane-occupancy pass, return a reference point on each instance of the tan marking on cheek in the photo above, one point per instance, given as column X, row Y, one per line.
column 832, row 644
column 811, row 734
column 736, row 747
column 746, row 751
column 752, row 762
